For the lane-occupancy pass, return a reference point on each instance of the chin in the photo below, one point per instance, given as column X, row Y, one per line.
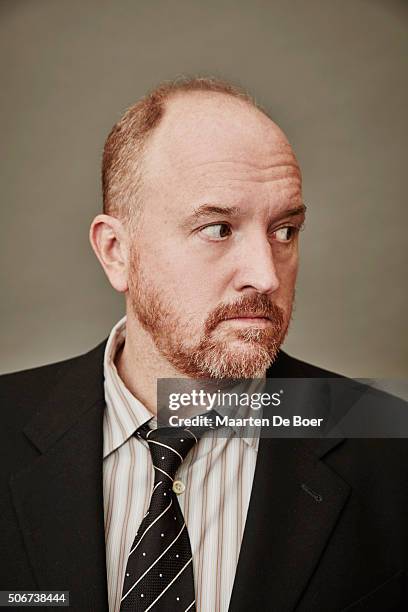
column 240, row 360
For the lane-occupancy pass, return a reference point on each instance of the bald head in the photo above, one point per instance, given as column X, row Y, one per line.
column 205, row 131
column 191, row 120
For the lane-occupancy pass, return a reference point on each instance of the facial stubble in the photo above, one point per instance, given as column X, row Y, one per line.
column 238, row 352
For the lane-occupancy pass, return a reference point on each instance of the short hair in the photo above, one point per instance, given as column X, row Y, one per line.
column 124, row 147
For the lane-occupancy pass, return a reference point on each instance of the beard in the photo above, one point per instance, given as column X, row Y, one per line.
column 232, row 353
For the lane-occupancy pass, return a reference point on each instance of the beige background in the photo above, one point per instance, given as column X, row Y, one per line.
column 332, row 72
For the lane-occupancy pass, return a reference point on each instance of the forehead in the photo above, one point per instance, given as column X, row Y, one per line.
column 210, row 139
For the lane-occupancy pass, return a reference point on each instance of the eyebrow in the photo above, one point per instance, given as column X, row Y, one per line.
column 209, row 210
column 292, row 212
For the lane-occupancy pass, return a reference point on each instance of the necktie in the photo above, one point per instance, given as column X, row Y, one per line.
column 159, row 572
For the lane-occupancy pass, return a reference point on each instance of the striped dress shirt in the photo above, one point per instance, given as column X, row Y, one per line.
column 217, row 474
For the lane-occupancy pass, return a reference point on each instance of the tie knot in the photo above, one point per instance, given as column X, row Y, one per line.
column 169, row 446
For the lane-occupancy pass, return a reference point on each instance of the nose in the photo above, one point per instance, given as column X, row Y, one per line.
column 255, row 267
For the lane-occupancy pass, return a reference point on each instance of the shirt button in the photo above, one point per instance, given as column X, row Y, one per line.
column 178, row 487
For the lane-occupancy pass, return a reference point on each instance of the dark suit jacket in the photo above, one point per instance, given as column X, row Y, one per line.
column 343, row 549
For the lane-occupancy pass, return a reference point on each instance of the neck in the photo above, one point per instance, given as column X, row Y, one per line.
column 139, row 365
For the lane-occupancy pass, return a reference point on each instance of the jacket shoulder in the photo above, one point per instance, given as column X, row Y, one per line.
column 22, row 392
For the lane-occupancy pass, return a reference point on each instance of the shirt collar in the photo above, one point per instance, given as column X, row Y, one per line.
column 124, row 413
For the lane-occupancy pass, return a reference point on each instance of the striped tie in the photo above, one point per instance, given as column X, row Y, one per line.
column 159, row 571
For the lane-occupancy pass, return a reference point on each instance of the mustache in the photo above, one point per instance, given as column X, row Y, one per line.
column 258, row 305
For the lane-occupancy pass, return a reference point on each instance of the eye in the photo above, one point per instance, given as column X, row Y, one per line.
column 217, row 231
column 285, row 234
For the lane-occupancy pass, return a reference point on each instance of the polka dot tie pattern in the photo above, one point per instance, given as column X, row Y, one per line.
column 159, row 572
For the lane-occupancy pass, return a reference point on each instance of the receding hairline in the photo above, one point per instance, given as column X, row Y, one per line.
column 178, row 103
column 127, row 142
column 177, row 97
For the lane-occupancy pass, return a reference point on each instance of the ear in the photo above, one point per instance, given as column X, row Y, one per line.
column 108, row 238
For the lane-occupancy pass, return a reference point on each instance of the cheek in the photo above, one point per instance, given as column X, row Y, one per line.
column 287, row 274
column 190, row 284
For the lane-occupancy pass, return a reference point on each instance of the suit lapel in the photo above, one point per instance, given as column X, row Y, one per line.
column 59, row 498
column 296, row 500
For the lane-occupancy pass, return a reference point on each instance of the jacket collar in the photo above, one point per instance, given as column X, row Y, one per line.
column 78, row 388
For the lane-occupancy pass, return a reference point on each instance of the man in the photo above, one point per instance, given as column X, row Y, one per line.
column 202, row 214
